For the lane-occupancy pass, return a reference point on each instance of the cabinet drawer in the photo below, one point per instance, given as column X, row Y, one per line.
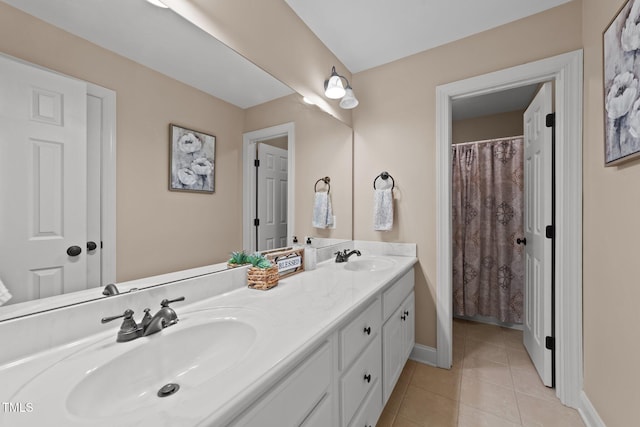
column 393, row 297
column 295, row 398
column 370, row 410
column 360, row 379
column 359, row 333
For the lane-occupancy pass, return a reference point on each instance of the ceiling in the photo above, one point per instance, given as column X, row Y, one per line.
column 367, row 33
column 364, row 34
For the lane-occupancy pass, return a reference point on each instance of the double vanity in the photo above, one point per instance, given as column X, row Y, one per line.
column 323, row 348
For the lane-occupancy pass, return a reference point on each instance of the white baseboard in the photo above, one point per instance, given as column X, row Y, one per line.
column 423, row 354
column 588, row 412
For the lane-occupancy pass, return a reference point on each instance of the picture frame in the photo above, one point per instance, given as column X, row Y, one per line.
column 191, row 160
column 621, row 71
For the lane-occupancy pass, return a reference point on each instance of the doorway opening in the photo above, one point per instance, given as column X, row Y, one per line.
column 268, row 187
column 566, row 73
column 502, row 201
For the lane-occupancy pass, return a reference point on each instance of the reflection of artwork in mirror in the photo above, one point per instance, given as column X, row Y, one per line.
column 621, row 88
column 192, row 160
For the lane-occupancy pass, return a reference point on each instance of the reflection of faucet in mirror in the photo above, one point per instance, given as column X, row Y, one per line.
column 130, row 330
column 110, row 289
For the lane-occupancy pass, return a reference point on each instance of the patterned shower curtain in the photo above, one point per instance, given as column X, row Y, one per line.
column 487, row 211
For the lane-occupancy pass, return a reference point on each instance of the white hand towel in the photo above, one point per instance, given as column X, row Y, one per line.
column 383, row 209
column 4, row 294
column 322, row 212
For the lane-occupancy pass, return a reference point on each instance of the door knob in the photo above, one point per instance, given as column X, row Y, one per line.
column 91, row 246
column 74, row 250
column 522, row 241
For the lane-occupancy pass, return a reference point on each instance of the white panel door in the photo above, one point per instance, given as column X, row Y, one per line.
column 43, row 187
column 537, row 160
column 272, row 197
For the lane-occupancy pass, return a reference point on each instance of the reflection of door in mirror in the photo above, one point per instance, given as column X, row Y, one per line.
column 268, row 188
column 50, row 151
column 271, row 190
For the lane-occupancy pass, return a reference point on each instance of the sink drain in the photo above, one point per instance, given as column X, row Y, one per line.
column 168, row 389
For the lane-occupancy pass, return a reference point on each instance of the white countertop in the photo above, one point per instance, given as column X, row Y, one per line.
column 300, row 313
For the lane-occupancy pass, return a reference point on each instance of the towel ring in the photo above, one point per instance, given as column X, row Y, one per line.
column 385, row 176
column 326, row 180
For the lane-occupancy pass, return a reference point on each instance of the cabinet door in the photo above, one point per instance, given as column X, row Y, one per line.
column 393, row 353
column 409, row 326
column 398, row 339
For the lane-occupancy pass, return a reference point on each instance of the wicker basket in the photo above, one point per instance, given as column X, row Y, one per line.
column 262, row 278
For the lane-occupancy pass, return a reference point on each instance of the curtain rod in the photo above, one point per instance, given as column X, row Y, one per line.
column 486, row 140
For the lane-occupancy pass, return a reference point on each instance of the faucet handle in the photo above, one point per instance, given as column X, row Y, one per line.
column 146, row 319
column 128, row 314
column 165, row 302
column 129, row 329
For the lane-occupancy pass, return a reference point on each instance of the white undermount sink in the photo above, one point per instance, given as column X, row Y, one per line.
column 369, row 264
column 108, row 381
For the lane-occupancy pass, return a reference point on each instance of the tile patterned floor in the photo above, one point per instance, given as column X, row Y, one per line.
column 492, row 384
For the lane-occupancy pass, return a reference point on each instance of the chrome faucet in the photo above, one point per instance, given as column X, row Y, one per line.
column 164, row 318
column 130, row 330
column 344, row 256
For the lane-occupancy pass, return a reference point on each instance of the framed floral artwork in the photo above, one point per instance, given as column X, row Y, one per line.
column 192, row 160
column 621, row 61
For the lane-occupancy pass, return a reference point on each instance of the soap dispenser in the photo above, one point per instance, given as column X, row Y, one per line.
column 310, row 256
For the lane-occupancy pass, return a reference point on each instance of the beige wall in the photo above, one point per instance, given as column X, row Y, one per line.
column 611, row 211
column 394, row 128
column 272, row 36
column 158, row 231
column 487, row 127
column 323, row 147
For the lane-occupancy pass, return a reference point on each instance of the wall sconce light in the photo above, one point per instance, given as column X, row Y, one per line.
column 335, row 89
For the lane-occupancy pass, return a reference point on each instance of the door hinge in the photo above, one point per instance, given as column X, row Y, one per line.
column 550, row 120
column 101, row 245
column 256, row 163
column 256, row 222
column 549, row 231
column 550, row 343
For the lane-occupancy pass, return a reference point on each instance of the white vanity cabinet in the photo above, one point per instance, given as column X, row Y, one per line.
column 349, row 378
column 398, row 330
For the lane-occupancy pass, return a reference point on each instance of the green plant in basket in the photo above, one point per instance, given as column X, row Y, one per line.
column 238, row 258
column 259, row 261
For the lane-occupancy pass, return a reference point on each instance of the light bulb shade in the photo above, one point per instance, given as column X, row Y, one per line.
column 158, row 3
column 349, row 100
column 333, row 88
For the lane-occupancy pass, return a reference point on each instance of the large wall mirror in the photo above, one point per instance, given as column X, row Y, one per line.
column 139, row 53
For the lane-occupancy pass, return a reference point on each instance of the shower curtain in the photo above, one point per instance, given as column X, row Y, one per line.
column 487, row 216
